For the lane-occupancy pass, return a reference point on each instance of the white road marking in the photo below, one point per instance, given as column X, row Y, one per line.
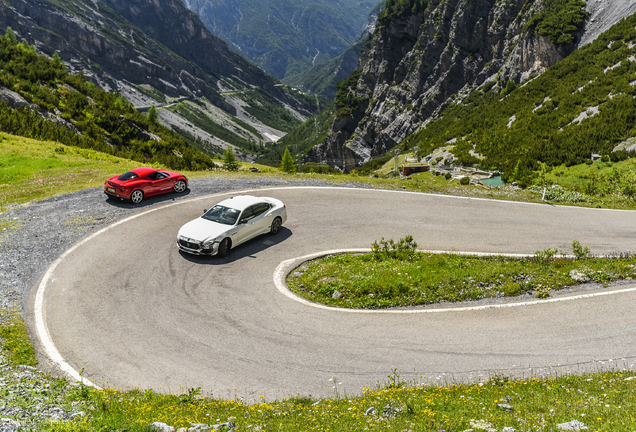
column 54, row 355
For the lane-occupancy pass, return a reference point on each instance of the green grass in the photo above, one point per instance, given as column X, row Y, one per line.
column 34, row 170
column 373, row 281
column 602, row 401
column 16, row 344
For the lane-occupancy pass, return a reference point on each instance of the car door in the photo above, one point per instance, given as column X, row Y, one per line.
column 244, row 227
column 162, row 183
column 262, row 218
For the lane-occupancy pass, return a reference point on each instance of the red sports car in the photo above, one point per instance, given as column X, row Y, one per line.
column 139, row 183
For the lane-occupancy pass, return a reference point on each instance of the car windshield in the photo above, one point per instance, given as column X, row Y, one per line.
column 221, row 214
column 127, row 176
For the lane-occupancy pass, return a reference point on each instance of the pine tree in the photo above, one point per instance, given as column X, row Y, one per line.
column 11, row 35
column 229, row 160
column 288, row 162
column 152, row 114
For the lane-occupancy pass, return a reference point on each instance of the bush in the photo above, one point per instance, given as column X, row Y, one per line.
column 404, row 249
column 580, row 252
column 465, row 181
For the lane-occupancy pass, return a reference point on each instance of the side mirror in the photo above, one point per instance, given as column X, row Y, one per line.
column 205, row 210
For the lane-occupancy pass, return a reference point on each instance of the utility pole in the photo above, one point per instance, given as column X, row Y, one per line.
column 297, row 157
column 396, row 153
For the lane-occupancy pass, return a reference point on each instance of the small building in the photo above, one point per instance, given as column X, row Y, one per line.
column 408, row 169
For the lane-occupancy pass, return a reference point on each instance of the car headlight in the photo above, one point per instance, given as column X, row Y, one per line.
column 208, row 243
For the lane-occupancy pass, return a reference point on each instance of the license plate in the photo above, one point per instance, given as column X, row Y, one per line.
column 110, row 189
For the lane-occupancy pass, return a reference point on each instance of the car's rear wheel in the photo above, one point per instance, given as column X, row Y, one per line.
column 137, row 196
column 276, row 224
column 224, row 247
column 180, row 186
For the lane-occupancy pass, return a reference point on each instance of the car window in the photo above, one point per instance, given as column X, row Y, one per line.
column 162, row 175
column 153, row 176
column 221, row 214
column 127, row 176
column 248, row 213
column 260, row 208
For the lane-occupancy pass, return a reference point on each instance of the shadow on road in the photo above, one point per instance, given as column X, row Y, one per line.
column 171, row 196
column 245, row 250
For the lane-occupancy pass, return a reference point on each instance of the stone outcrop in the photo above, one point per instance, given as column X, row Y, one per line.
column 415, row 65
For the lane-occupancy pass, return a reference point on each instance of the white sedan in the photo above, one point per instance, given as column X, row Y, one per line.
column 230, row 223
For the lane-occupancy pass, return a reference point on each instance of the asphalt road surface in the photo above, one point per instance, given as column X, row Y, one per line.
column 130, row 310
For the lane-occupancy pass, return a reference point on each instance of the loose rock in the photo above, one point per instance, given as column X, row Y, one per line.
column 573, row 425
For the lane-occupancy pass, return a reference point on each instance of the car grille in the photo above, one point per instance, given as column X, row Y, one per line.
column 189, row 245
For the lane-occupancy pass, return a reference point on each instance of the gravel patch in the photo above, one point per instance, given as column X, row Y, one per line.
column 29, row 398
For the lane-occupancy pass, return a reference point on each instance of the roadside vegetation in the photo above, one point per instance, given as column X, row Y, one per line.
column 32, row 170
column 601, row 401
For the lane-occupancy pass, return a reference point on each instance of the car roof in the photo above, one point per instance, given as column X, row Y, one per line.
column 241, row 202
column 142, row 171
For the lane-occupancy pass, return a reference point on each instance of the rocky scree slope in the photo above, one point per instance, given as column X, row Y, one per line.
column 415, row 65
column 150, row 52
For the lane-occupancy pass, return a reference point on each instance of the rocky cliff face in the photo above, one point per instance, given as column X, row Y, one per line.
column 415, row 65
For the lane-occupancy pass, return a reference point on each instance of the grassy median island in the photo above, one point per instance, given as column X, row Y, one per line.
column 395, row 274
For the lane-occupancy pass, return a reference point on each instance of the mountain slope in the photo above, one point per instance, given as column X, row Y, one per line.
column 581, row 106
column 285, row 37
column 418, row 63
column 154, row 52
column 47, row 103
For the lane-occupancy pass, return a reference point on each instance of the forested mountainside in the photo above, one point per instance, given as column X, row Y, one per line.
column 285, row 37
column 426, row 55
column 40, row 99
column 158, row 52
column 581, row 106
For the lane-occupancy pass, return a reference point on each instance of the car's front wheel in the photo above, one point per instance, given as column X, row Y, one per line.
column 223, row 247
column 276, row 224
column 136, row 196
column 180, row 186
